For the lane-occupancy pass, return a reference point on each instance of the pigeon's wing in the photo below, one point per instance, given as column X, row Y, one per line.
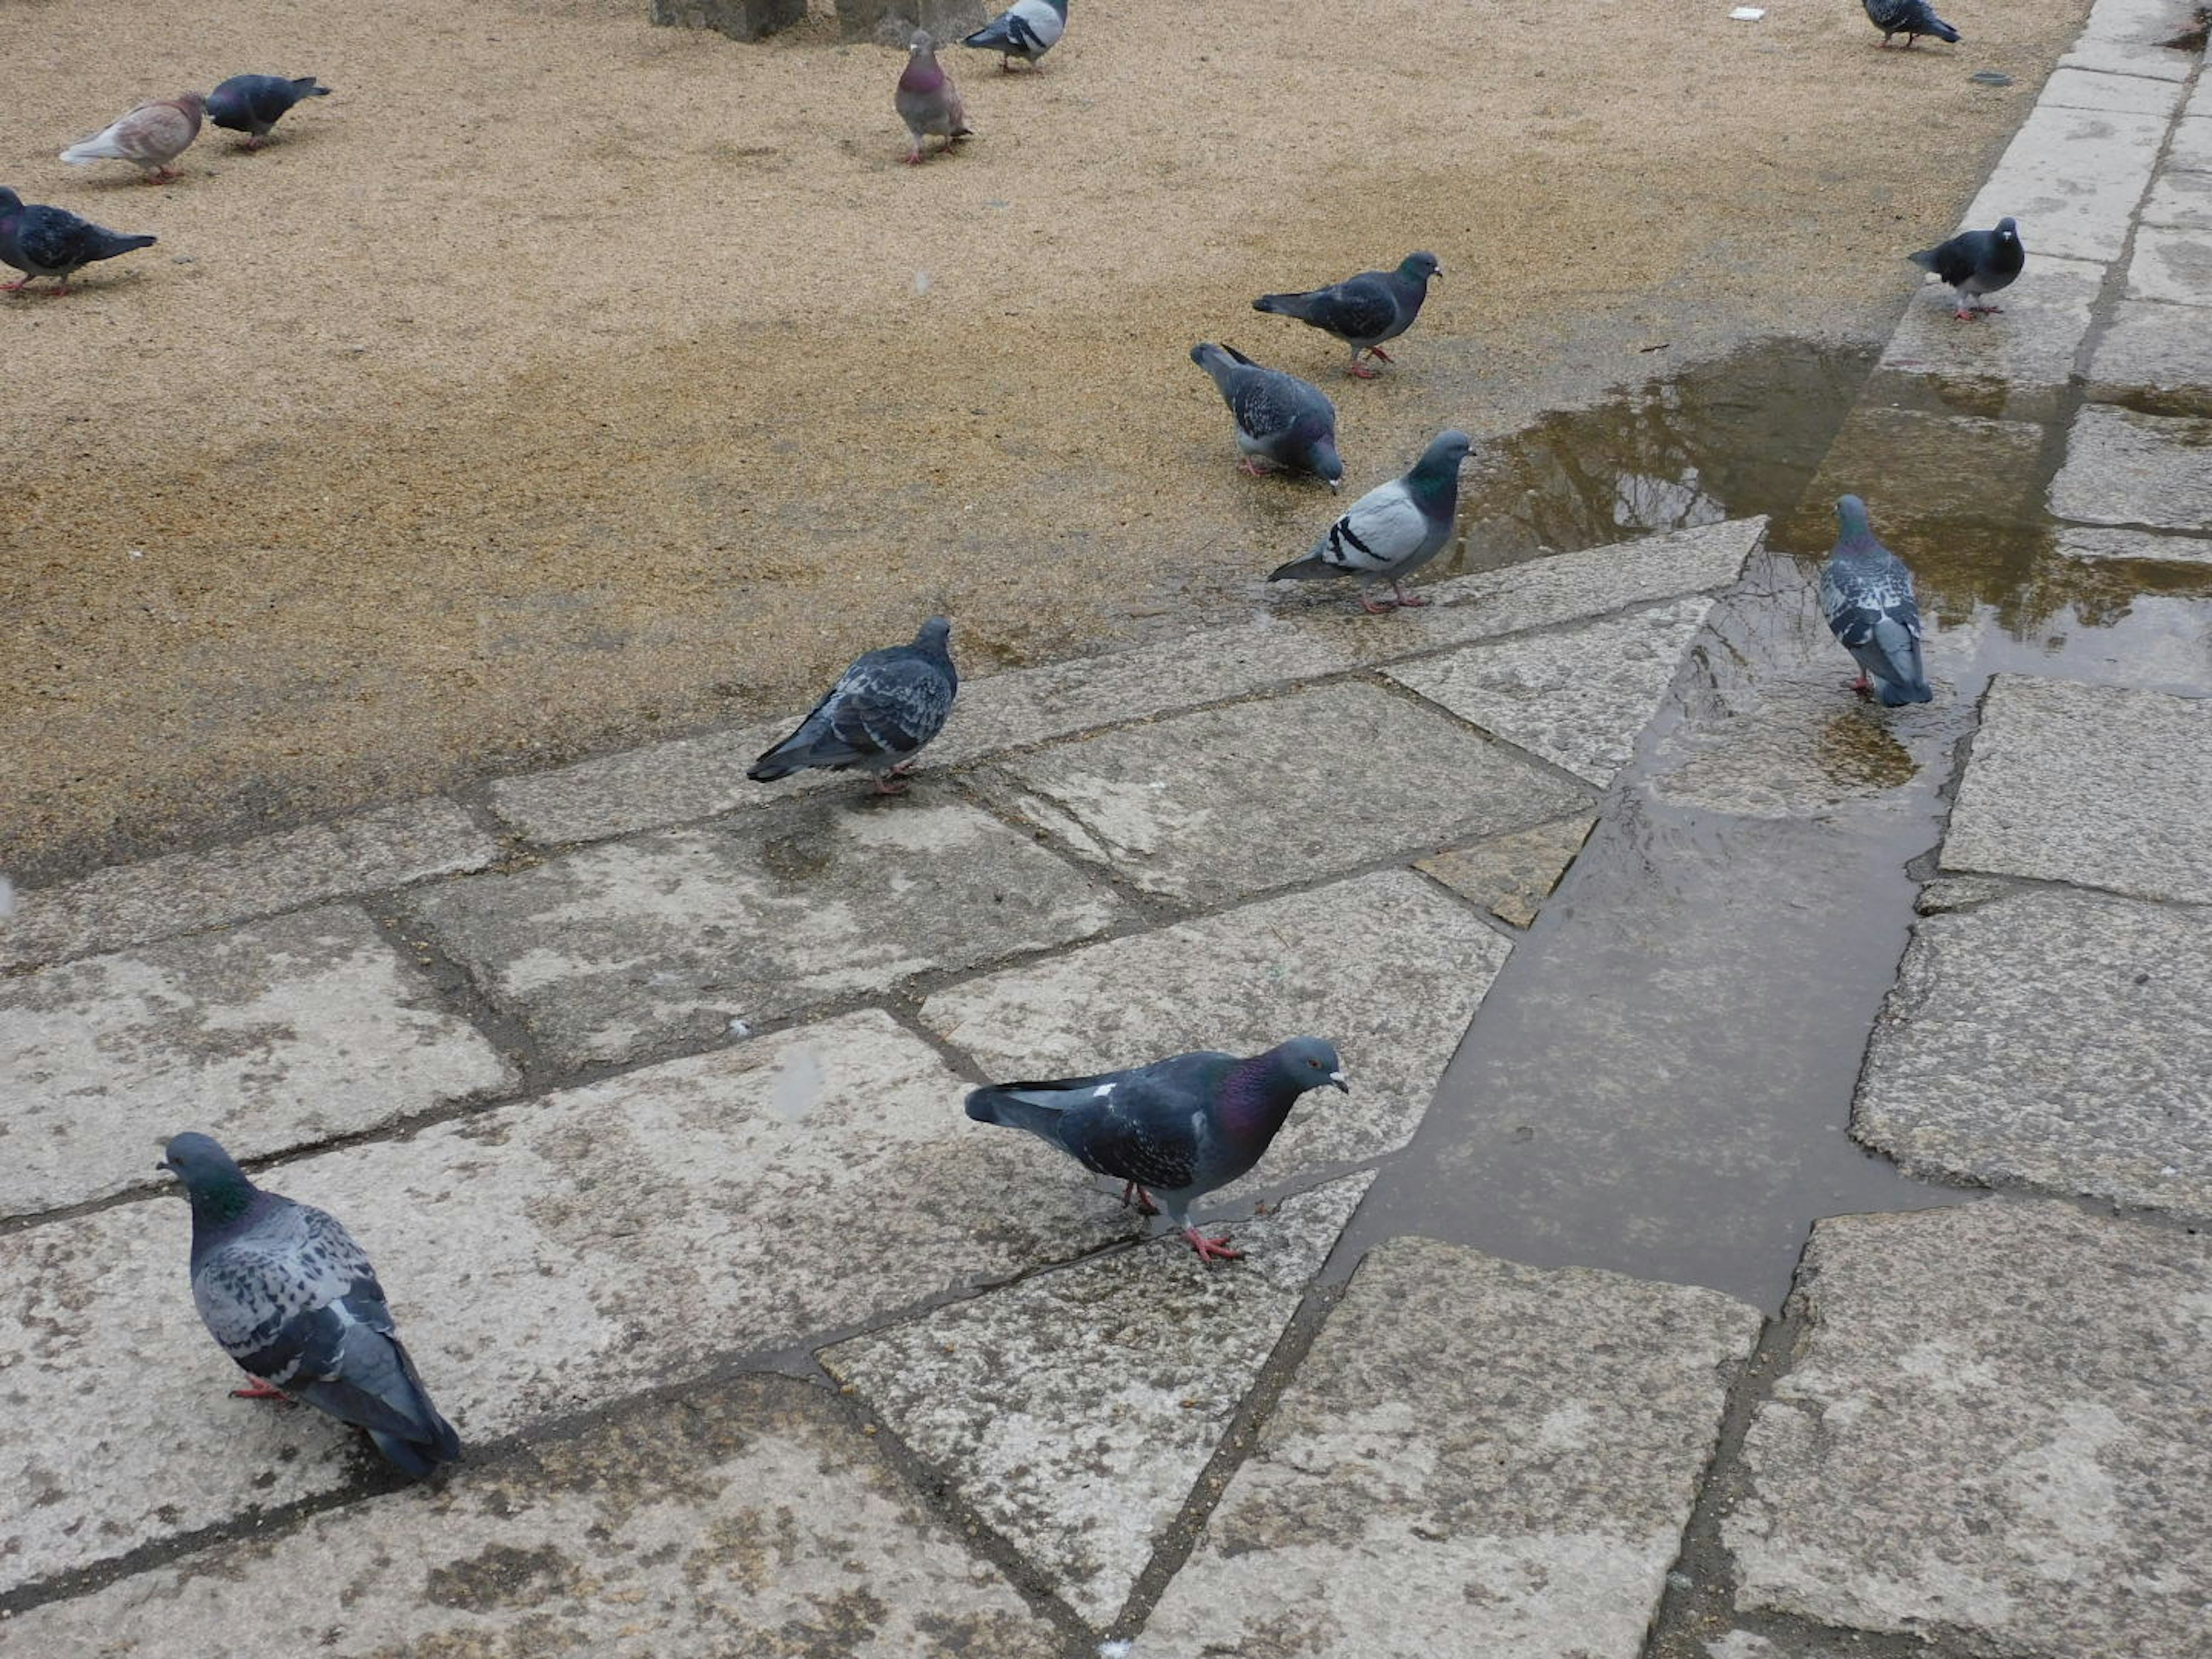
column 887, row 705
column 53, row 239
column 1360, row 309
column 1264, row 403
column 1150, row 1126
column 1377, row 532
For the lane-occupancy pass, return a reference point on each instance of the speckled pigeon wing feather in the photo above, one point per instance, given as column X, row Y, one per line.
column 256, row 1290
column 884, row 708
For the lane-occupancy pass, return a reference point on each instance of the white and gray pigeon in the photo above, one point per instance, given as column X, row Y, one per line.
column 1361, row 310
column 1280, row 419
column 1910, row 18
column 1866, row 594
column 50, row 241
column 1393, row 529
column 927, row 100
column 1174, row 1130
column 1027, row 29
column 1975, row 263
column 289, row 1296
column 879, row 716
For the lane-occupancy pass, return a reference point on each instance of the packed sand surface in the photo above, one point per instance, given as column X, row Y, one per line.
column 562, row 382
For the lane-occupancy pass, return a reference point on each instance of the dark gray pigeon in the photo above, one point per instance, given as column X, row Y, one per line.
column 1975, row 263
column 1174, row 1130
column 252, row 104
column 52, row 241
column 1910, row 18
column 1280, row 418
column 1393, row 529
column 289, row 1296
column 1866, row 594
column 1361, row 310
column 1027, row 29
column 878, row 716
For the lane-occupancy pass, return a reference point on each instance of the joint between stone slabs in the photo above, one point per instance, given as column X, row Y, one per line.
column 1591, row 793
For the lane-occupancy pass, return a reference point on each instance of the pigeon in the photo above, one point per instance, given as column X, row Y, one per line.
column 1361, row 310
column 1393, row 529
column 52, row 241
column 1975, row 263
column 879, row 715
column 1173, row 1130
column 1280, row 418
column 926, row 99
column 1910, row 18
column 1866, row 594
column 149, row 137
column 252, row 104
column 288, row 1294
column 1027, row 29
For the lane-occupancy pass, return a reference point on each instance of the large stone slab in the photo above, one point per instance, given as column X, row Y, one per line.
column 2077, row 86
column 541, row 1258
column 2072, row 178
column 1512, row 875
column 1578, row 698
column 2126, row 468
column 1475, row 1458
column 1385, row 966
column 745, row 1518
column 268, row 1037
column 2136, row 22
column 1214, row 805
column 2058, row 1039
column 620, row 947
column 2171, row 264
column 184, row 892
column 2191, row 146
column 1130, row 1368
column 2180, row 199
column 2115, row 58
column 1992, row 1436
column 2031, row 345
column 2135, row 545
column 1905, row 464
column 2154, row 348
column 2102, row 786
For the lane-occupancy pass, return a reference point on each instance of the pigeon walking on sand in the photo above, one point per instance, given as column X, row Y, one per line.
column 1393, row 529
column 52, row 241
column 289, row 1296
column 1361, row 310
column 1866, row 594
column 1910, row 18
column 149, row 137
column 1027, row 29
column 1975, row 263
column 1174, row 1130
column 926, row 99
column 1280, row 419
column 879, row 716
column 252, row 104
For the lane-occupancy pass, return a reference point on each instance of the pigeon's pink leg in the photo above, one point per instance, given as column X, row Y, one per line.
column 886, row 786
column 1253, row 467
column 1132, row 1193
column 1966, row 314
column 14, row 287
column 1402, row 599
column 1210, row 1249
column 257, row 1390
column 1359, row 371
column 1373, row 609
column 1863, row 686
column 1378, row 351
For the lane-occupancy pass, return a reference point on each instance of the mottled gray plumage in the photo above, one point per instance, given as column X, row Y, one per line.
column 1173, row 1130
column 1910, row 18
column 1280, row 419
column 879, row 715
column 50, row 241
column 252, row 104
column 1975, row 263
column 1866, row 594
column 1393, row 529
column 1361, row 310
column 290, row 1297
column 927, row 100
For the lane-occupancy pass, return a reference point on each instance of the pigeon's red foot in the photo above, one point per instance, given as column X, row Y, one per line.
column 1966, row 316
column 1381, row 355
column 1132, row 1193
column 1248, row 464
column 1359, row 371
column 1863, row 686
column 884, row 786
column 1374, row 609
column 257, row 1390
column 1210, row 1249
column 912, row 158
column 15, row 287
column 1413, row 599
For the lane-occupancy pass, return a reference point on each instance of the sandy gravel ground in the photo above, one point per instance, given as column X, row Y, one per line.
column 562, row 381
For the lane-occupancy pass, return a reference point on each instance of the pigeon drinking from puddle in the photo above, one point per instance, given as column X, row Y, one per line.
column 879, row 716
column 1866, row 594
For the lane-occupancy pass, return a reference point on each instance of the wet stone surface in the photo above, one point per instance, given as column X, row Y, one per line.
column 1511, row 876
column 2126, row 468
column 2149, row 347
column 2030, row 343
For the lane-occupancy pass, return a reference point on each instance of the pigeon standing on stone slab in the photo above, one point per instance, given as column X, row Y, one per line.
column 252, row 104
column 1393, row 529
column 1866, row 594
column 1910, row 18
column 149, row 137
column 289, row 1296
column 879, row 715
column 52, row 241
column 926, row 99
column 1361, row 310
column 1174, row 1130
column 1027, row 29
column 1975, row 263
column 1280, row 419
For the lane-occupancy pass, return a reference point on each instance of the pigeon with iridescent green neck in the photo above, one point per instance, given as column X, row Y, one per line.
column 1361, row 310
column 1392, row 530
column 1285, row 421
column 1027, row 29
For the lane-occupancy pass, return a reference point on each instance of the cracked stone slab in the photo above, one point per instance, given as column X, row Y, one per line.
column 1476, row 1457
column 2118, row 57
column 2076, row 86
column 2101, row 786
column 1129, row 1368
column 2126, row 468
column 2190, row 146
column 1991, row 1435
column 1222, row 803
column 620, row 947
column 2183, row 200
column 541, row 1259
column 2072, row 178
column 2133, row 545
column 2055, row 1039
column 745, row 1518
column 269, row 1036
column 2031, row 345
column 1579, row 697
column 1510, row 876
column 1384, row 965
column 2155, row 348
column 185, row 892
column 2171, row 264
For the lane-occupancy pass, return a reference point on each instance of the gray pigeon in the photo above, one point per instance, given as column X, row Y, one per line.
column 879, row 715
column 1393, row 529
column 1866, row 594
column 1975, row 263
column 290, row 1297
column 1910, row 18
column 252, row 104
column 52, row 241
column 1280, row 418
column 926, row 99
column 1174, row 1130
column 1027, row 29
column 1361, row 310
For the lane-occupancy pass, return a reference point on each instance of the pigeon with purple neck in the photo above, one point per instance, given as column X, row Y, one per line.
column 926, row 99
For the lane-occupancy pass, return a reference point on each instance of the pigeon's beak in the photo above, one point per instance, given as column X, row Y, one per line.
column 1335, row 485
column 1337, row 1077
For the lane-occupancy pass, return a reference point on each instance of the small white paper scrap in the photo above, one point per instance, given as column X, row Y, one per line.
column 1747, row 14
